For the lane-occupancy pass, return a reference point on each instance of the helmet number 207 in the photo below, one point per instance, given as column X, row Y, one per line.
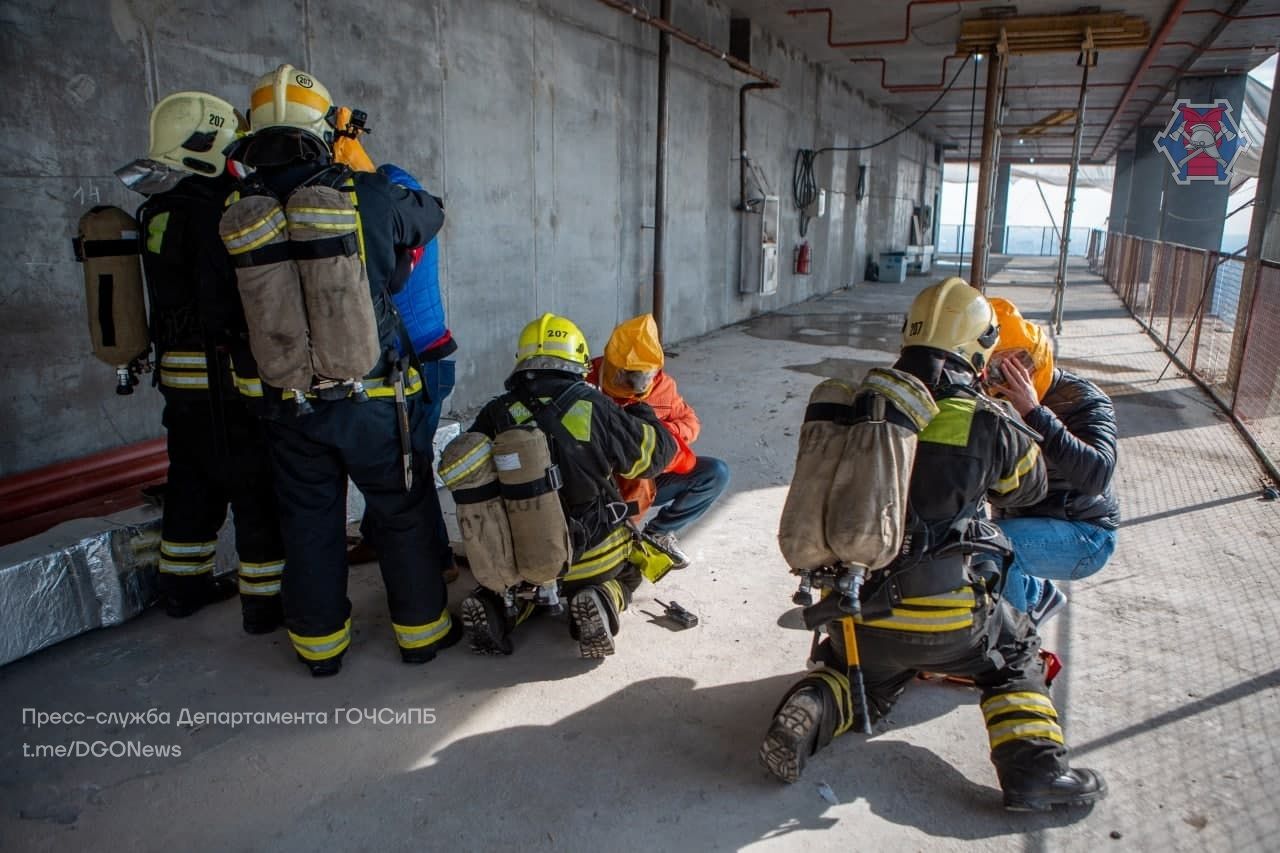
column 216, row 120
column 916, row 327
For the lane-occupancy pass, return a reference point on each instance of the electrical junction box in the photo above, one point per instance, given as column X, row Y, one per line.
column 759, row 248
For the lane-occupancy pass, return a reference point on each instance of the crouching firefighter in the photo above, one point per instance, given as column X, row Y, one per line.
column 216, row 447
column 315, row 249
column 537, row 504
column 890, row 611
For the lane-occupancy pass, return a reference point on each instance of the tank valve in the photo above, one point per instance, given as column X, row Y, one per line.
column 804, row 595
column 549, row 597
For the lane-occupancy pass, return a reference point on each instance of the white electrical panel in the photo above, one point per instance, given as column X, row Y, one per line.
column 760, row 248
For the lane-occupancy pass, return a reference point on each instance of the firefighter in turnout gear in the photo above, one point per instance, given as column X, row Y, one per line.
column 217, row 450
column 336, row 246
column 933, row 607
column 591, row 439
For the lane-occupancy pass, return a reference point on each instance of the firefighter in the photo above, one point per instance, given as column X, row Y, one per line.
column 932, row 609
column 217, row 449
column 630, row 371
column 362, row 428
column 1072, row 532
column 552, row 361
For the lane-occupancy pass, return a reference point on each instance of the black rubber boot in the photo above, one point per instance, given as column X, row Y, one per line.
column 485, row 623
column 592, row 622
column 1030, row 792
column 261, row 617
column 215, row 590
column 323, row 668
column 793, row 734
column 427, row 654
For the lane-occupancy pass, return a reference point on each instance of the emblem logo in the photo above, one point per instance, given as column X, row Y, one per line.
column 1202, row 142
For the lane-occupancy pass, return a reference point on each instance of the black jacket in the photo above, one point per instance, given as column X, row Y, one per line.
column 631, row 442
column 1078, row 423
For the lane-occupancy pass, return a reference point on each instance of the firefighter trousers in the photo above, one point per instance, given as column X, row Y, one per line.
column 983, row 639
column 206, row 473
column 312, row 456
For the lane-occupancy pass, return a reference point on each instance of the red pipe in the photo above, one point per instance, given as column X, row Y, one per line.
column 906, row 26
column 1229, row 49
column 1156, row 43
column 80, row 479
column 909, row 87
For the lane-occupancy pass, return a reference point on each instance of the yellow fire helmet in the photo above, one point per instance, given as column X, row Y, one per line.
column 1017, row 333
column 552, row 342
column 953, row 317
column 288, row 97
column 632, row 359
column 191, row 130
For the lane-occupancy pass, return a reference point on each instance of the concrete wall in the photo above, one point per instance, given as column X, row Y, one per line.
column 535, row 118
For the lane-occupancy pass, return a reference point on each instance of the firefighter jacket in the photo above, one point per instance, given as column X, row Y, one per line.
column 970, row 450
column 680, row 420
column 191, row 284
column 1078, row 423
column 630, row 442
column 391, row 219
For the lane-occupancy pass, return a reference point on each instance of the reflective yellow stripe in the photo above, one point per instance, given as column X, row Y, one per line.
column 296, row 94
column 274, row 567
column 155, row 232
column 615, row 592
column 519, row 412
column 417, row 636
column 170, row 567
column 839, row 685
column 256, row 235
column 178, row 549
column 320, row 648
column 647, row 442
column 960, row 597
column 466, row 465
column 1024, row 466
column 183, row 360
column 916, row 620
column 1024, row 701
column 179, row 380
column 952, row 423
column 1024, row 730
column 578, row 420
column 248, row 387
column 350, row 186
column 259, row 587
column 609, row 554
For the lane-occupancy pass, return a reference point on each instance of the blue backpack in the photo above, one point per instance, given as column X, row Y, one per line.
column 419, row 301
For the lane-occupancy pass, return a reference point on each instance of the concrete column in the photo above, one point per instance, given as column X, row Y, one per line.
column 1120, row 190
column 1000, row 209
column 1146, row 185
column 1194, row 215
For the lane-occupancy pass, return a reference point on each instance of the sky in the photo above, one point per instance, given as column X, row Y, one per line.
column 1092, row 206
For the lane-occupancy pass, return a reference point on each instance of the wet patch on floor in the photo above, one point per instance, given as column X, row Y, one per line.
column 836, row 368
column 852, row 329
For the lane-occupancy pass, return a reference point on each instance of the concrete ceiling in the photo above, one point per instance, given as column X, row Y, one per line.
column 897, row 53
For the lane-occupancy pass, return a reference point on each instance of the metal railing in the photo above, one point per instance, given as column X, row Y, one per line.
column 1013, row 240
column 1195, row 304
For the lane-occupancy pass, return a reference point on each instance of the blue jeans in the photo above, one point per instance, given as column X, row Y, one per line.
column 689, row 495
column 1052, row 548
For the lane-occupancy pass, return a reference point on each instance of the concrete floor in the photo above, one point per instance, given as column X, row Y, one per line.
column 1172, row 670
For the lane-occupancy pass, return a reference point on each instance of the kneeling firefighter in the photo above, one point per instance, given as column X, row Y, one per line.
column 315, row 248
column 217, row 450
column 929, row 604
column 533, row 478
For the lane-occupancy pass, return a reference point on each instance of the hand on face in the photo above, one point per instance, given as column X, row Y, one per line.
column 1017, row 387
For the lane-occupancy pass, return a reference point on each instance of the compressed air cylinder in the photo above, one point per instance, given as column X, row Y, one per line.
column 539, row 531
column 866, row 510
column 466, row 467
column 253, row 230
column 108, row 248
column 801, row 532
column 335, row 284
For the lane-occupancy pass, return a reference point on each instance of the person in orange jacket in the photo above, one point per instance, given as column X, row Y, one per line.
column 631, row 371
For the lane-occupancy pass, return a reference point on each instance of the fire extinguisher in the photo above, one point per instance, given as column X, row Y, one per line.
column 803, row 258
